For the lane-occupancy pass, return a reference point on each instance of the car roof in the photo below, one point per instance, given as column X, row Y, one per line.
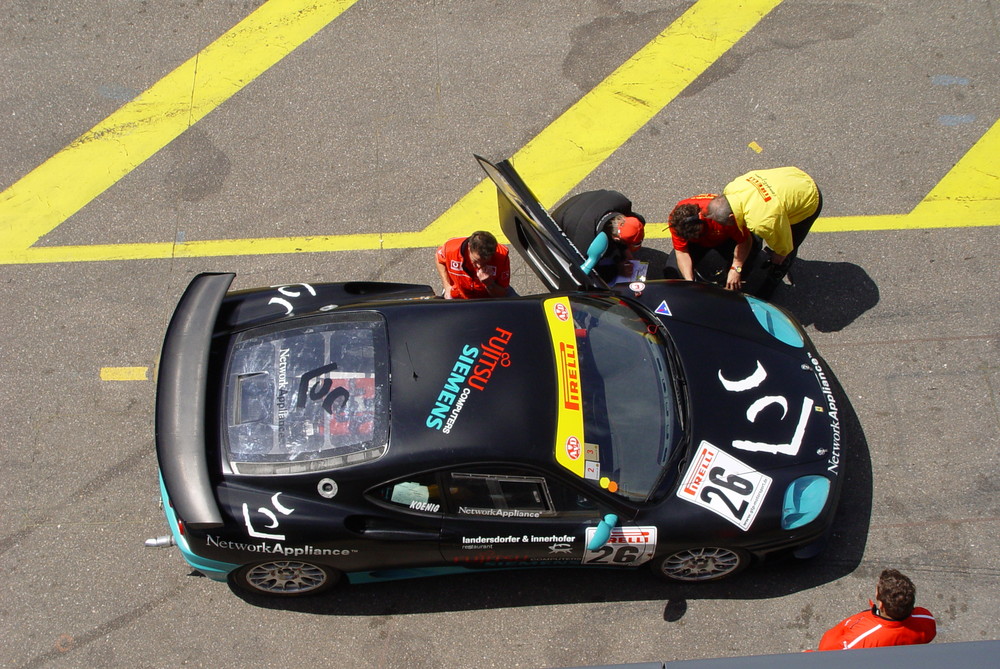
column 471, row 380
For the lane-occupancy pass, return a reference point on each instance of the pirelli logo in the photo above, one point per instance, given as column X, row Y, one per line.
column 633, row 535
column 699, row 470
column 570, row 435
column 570, row 377
column 761, row 188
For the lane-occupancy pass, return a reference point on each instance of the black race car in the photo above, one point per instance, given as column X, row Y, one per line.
column 314, row 432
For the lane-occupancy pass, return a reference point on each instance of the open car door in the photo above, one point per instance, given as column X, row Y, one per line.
column 534, row 234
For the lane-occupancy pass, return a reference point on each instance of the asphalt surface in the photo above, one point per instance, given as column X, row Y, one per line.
column 370, row 127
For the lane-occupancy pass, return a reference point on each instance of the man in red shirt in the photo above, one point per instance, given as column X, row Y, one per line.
column 694, row 234
column 474, row 266
column 892, row 621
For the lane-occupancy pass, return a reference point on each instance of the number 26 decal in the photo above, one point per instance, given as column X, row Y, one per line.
column 725, row 486
column 626, row 547
column 732, row 482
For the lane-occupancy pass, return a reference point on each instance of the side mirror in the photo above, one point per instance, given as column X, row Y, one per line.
column 603, row 532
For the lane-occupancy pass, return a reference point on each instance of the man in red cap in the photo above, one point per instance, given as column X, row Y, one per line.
column 603, row 227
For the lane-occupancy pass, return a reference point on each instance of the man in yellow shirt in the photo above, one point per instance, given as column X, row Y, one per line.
column 778, row 205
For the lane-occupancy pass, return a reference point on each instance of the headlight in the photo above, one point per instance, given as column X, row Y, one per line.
column 804, row 500
column 775, row 322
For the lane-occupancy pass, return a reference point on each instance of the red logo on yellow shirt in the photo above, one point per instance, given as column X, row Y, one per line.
column 759, row 185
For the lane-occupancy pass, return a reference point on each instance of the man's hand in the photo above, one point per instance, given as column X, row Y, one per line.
column 493, row 287
column 734, row 281
column 445, row 280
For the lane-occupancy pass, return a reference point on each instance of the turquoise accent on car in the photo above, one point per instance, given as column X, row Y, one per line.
column 603, row 532
column 804, row 501
column 213, row 569
column 775, row 322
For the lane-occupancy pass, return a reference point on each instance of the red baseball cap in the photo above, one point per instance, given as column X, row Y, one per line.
column 632, row 231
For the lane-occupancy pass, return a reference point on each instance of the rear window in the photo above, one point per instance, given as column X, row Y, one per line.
column 307, row 399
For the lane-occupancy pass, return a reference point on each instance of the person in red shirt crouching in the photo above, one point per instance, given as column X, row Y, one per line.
column 694, row 234
column 892, row 621
column 474, row 266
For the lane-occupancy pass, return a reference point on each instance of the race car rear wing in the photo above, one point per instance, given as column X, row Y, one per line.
column 181, row 390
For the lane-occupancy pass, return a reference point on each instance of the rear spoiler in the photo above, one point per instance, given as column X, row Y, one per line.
column 181, row 391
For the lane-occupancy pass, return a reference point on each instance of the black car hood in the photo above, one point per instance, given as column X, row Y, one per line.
column 471, row 376
column 767, row 404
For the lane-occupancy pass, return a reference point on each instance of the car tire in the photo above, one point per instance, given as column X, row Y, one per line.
column 285, row 578
column 698, row 565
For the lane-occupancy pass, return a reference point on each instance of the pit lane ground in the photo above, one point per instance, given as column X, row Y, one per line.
column 349, row 157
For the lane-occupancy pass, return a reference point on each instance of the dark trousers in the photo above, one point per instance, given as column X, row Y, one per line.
column 801, row 229
column 775, row 273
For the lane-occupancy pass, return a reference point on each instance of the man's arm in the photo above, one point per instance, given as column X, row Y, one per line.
column 685, row 264
column 833, row 639
column 493, row 287
column 734, row 281
column 445, row 279
column 498, row 283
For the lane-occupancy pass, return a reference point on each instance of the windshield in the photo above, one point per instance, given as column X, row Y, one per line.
column 624, row 392
column 310, row 398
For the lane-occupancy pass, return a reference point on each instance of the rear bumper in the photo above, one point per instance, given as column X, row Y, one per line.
column 213, row 569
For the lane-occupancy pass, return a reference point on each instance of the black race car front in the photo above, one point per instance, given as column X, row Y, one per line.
column 763, row 469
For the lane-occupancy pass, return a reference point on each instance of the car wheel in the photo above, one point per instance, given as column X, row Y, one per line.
column 701, row 564
column 285, row 578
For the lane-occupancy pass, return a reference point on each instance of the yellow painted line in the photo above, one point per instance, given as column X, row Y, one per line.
column 553, row 162
column 59, row 187
column 968, row 195
column 605, row 118
column 124, row 373
column 565, row 152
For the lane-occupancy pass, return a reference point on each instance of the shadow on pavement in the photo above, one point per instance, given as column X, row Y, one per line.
column 827, row 295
